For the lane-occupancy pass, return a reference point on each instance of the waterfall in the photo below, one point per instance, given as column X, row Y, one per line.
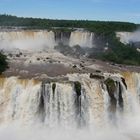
column 107, row 107
column 27, row 40
column 43, row 40
column 128, row 37
column 125, row 37
column 19, row 100
column 62, row 105
column 82, row 103
column 83, row 39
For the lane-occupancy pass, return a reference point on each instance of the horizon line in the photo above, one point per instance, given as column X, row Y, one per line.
column 45, row 18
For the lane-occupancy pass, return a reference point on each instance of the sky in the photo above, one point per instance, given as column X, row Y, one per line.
column 105, row 10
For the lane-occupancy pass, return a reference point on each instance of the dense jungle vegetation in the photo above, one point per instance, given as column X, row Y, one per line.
column 96, row 26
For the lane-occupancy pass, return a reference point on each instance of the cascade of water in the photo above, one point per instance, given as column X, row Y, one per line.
column 128, row 37
column 133, row 91
column 83, row 39
column 27, row 40
column 19, row 100
column 114, row 91
column 89, row 102
column 43, row 40
column 124, row 37
column 62, row 105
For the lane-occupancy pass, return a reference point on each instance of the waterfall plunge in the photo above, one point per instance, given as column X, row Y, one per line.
column 83, row 39
column 59, row 105
column 27, row 40
column 42, row 40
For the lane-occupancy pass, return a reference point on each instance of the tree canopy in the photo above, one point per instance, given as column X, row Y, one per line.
column 96, row 26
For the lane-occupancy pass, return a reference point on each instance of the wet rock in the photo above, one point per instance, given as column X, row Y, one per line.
column 123, row 80
column 53, row 87
column 111, row 88
column 77, row 86
column 74, row 66
column 98, row 71
column 81, row 65
column 38, row 59
column 95, row 76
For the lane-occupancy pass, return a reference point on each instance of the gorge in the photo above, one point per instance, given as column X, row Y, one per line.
column 48, row 95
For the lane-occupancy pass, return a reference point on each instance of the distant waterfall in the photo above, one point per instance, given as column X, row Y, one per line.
column 86, row 103
column 128, row 37
column 83, row 39
column 31, row 40
column 27, row 40
column 124, row 37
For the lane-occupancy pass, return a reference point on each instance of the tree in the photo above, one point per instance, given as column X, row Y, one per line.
column 3, row 62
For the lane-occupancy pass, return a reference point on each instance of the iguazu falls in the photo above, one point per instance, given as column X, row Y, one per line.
column 67, row 73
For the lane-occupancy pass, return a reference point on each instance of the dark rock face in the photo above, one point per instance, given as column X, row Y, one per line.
column 77, row 86
column 123, row 80
column 111, row 88
column 53, row 87
column 62, row 36
column 115, row 91
column 120, row 97
column 96, row 76
column 42, row 103
column 75, row 51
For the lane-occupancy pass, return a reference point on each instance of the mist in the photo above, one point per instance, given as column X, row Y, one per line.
column 129, row 37
column 27, row 40
column 135, row 36
column 128, row 130
column 43, row 40
column 21, row 111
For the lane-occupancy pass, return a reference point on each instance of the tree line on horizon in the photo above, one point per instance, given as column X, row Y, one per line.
column 39, row 23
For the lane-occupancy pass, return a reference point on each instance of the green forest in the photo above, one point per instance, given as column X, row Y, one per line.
column 117, row 52
column 96, row 26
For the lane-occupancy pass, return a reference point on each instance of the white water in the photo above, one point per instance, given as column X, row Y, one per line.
column 45, row 40
column 33, row 110
column 83, row 39
column 127, row 37
column 41, row 40
column 27, row 40
column 124, row 37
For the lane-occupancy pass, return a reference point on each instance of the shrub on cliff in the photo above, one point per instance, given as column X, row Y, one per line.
column 77, row 86
column 3, row 63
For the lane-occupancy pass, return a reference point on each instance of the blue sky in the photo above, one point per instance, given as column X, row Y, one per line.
column 116, row 10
